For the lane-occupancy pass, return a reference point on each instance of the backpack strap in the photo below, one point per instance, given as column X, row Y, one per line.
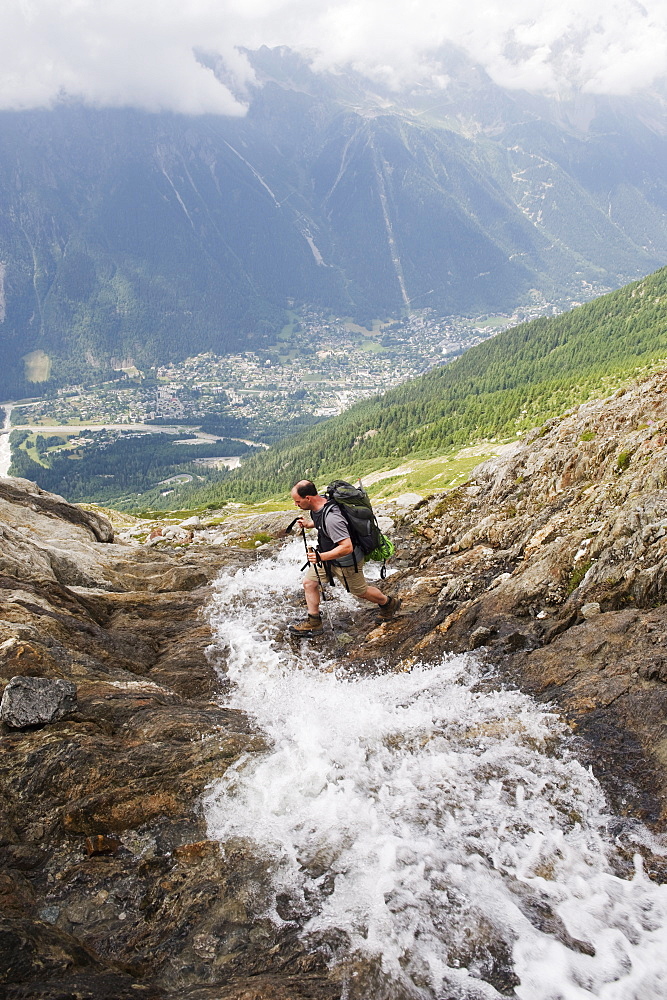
column 326, row 507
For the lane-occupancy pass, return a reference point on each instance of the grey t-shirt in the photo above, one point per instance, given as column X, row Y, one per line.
column 334, row 526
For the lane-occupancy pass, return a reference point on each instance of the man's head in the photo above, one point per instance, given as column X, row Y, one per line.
column 303, row 494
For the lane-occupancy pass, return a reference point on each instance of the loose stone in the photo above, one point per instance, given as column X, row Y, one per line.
column 34, row 701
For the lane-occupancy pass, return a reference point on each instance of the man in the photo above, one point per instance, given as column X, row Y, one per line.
column 336, row 550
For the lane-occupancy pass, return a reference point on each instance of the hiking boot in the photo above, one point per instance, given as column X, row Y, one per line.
column 388, row 610
column 312, row 626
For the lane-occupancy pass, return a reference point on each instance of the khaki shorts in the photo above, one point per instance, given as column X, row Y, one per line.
column 356, row 582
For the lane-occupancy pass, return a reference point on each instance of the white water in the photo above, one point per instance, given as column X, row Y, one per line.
column 5, row 447
column 431, row 832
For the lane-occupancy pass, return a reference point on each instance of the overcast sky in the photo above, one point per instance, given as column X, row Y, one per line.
column 143, row 52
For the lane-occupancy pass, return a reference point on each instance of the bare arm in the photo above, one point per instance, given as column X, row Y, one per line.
column 343, row 548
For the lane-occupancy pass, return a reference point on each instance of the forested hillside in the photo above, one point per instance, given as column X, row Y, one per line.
column 116, row 471
column 505, row 385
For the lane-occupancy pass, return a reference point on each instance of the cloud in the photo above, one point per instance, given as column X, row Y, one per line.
column 543, row 45
column 148, row 53
column 115, row 53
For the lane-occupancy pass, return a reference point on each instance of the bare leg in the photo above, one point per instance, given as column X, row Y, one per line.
column 373, row 595
column 312, row 592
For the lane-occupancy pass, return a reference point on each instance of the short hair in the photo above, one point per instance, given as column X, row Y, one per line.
column 306, row 489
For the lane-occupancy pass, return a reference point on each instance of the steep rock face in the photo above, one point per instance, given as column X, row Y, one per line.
column 47, row 539
column 555, row 555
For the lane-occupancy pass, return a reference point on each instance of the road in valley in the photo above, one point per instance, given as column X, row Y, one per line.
column 201, row 437
column 143, row 428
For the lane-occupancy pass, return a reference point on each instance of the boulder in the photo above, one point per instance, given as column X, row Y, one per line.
column 28, row 495
column 406, row 500
column 590, row 610
column 34, row 701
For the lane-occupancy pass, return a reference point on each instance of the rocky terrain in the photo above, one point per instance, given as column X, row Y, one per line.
column 551, row 561
column 109, row 888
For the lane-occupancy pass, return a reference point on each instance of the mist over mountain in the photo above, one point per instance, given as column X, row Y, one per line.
column 128, row 235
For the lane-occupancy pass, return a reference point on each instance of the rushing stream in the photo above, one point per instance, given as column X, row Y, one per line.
column 431, row 832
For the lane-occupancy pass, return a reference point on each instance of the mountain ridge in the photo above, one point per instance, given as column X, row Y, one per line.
column 128, row 235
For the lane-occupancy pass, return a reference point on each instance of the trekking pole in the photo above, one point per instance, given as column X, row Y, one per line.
column 325, row 598
column 288, row 531
column 308, row 548
column 305, row 542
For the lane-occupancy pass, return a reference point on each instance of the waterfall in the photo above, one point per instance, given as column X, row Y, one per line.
column 430, row 831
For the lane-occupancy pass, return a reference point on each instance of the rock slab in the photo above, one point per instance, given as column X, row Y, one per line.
column 34, row 701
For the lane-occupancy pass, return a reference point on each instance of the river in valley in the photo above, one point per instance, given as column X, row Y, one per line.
column 5, row 447
column 431, row 832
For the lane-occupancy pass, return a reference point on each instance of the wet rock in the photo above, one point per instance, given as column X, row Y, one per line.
column 119, row 809
column 271, row 987
column 27, row 945
column 91, row 986
column 480, row 637
column 604, row 673
column 514, row 641
column 188, row 854
column 34, row 701
column 95, row 805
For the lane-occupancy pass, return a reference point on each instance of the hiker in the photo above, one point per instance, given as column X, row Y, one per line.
column 335, row 554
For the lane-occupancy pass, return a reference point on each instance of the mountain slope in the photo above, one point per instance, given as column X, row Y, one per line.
column 497, row 388
column 125, row 235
